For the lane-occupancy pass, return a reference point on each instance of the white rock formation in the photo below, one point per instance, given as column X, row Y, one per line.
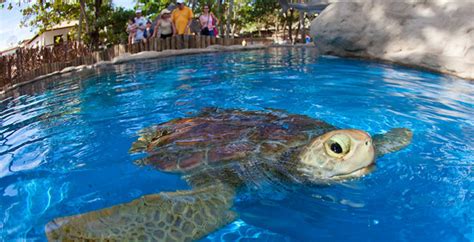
column 433, row 34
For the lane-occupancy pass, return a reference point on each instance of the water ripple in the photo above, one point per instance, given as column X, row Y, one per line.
column 64, row 144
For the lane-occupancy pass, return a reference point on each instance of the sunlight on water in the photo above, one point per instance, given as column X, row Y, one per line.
column 65, row 141
column 241, row 231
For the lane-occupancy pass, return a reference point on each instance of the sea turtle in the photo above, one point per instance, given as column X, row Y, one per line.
column 217, row 152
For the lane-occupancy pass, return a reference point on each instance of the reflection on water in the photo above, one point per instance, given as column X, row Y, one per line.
column 64, row 143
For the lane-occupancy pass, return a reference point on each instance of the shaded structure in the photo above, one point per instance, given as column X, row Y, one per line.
column 304, row 8
column 314, row 6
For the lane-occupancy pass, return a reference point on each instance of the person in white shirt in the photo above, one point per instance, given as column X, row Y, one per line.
column 140, row 22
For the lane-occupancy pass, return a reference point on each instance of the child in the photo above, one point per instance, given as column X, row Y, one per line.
column 131, row 30
column 148, row 33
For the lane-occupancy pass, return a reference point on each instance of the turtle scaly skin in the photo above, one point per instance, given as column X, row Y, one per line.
column 176, row 216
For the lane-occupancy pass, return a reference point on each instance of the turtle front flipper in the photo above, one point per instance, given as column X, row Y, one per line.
column 394, row 140
column 167, row 216
column 148, row 136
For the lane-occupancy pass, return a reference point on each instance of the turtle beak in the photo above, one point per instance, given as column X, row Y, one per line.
column 355, row 174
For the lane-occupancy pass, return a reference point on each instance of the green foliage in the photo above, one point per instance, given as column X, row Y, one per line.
column 255, row 15
column 3, row 5
column 152, row 8
column 249, row 15
column 113, row 26
column 109, row 22
column 45, row 15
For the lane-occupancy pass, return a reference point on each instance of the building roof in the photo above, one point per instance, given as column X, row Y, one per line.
column 2, row 52
column 63, row 25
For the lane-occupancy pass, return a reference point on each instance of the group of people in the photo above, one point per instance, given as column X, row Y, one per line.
column 170, row 23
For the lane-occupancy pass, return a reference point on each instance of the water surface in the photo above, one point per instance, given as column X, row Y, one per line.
column 64, row 144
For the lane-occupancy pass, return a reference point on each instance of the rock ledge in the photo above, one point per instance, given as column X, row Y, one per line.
column 432, row 34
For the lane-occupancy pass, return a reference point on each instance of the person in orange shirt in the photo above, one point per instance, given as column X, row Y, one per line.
column 182, row 17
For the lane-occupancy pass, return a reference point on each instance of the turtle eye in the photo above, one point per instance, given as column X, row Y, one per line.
column 336, row 148
column 338, row 145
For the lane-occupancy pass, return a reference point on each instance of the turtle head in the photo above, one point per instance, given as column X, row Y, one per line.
column 338, row 155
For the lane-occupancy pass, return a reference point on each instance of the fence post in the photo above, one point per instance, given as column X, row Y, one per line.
column 3, row 71
column 135, row 48
column 50, row 61
column 154, row 43
column 168, row 43
column 95, row 56
column 146, row 45
column 123, row 49
column 18, row 63
column 173, row 42
column 9, row 67
column 179, row 42
column 159, row 44
column 192, row 41
column 202, row 41
column 110, row 53
column 116, row 51
column 66, row 52
column 208, row 41
column 186, row 41
column 103, row 55
column 198, row 41
column 49, row 55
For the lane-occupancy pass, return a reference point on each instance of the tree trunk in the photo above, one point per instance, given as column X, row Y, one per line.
column 297, row 31
column 219, row 9
column 233, row 28
column 303, row 34
column 278, row 26
column 83, row 12
column 229, row 18
column 290, row 23
column 79, row 27
column 95, row 32
column 193, row 2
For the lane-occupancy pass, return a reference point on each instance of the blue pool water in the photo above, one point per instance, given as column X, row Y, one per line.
column 64, row 144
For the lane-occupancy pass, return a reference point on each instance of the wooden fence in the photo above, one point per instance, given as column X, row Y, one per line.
column 27, row 64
